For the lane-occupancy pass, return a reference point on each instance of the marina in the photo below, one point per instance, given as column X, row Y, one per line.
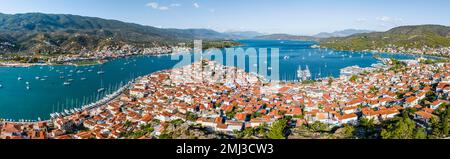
column 34, row 92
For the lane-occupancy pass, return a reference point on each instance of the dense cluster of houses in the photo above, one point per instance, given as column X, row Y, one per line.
column 426, row 50
column 226, row 99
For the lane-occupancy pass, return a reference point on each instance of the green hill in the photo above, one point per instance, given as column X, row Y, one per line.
column 433, row 36
column 62, row 33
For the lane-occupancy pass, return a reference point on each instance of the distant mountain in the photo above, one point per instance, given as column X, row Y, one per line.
column 416, row 36
column 286, row 37
column 343, row 33
column 242, row 34
column 62, row 33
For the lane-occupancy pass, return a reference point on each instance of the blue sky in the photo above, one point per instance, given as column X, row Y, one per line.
column 301, row 17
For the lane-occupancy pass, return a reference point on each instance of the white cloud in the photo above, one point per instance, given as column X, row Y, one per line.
column 196, row 5
column 156, row 6
column 153, row 5
column 386, row 21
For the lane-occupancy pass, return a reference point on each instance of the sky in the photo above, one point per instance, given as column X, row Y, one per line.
column 299, row 17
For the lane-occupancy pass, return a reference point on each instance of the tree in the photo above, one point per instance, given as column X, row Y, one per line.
column 348, row 131
column 420, row 133
column 436, row 128
column 318, row 126
column 400, row 128
column 277, row 130
column 353, row 78
column 444, row 120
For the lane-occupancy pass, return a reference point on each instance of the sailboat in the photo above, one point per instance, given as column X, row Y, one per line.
column 101, row 89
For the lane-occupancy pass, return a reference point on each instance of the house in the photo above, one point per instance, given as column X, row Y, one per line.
column 411, row 101
column 437, row 104
column 11, row 130
column 389, row 113
column 423, row 116
column 348, row 119
column 138, row 93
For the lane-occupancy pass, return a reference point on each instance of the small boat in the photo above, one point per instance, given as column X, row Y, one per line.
column 100, row 72
column 1, row 86
column 37, row 77
column 28, row 88
column 27, row 83
column 66, row 83
column 79, row 71
column 43, row 79
column 83, row 79
column 101, row 90
column 286, row 57
column 270, row 68
column 70, row 80
column 66, row 111
column 19, row 78
column 89, row 70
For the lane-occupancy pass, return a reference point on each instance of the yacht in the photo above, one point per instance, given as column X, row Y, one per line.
column 101, row 90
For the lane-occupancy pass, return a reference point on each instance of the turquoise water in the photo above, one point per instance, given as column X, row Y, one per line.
column 51, row 95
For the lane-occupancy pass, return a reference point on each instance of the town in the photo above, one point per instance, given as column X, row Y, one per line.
column 209, row 100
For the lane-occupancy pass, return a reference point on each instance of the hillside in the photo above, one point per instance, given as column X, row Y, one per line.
column 286, row 37
column 409, row 37
column 62, row 33
column 342, row 33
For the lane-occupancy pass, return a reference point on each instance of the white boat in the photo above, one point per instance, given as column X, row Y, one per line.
column 83, row 79
column 19, row 78
column 70, row 80
column 79, row 71
column 1, row 86
column 37, row 77
column 101, row 90
column 27, row 83
column 286, row 57
column 66, row 111
column 100, row 72
column 66, row 83
column 28, row 88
